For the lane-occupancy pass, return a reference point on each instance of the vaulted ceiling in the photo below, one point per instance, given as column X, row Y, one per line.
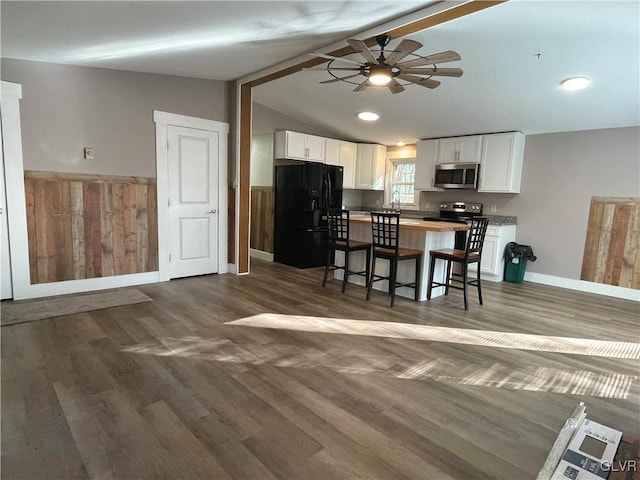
column 514, row 56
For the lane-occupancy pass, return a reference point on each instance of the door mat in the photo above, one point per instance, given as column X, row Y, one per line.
column 12, row 312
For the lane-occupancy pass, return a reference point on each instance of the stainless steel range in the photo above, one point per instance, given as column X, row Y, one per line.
column 458, row 212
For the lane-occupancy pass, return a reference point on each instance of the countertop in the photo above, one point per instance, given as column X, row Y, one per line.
column 419, row 214
column 417, row 224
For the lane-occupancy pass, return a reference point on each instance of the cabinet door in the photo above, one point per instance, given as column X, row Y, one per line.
column 426, row 159
column 447, row 150
column 296, row 145
column 347, row 157
column 460, row 149
column 315, row 148
column 489, row 262
column 470, row 149
column 379, row 164
column 502, row 158
column 332, row 152
column 364, row 166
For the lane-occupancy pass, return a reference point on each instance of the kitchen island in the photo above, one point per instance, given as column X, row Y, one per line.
column 416, row 234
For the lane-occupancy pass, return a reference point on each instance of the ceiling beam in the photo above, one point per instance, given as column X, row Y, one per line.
column 436, row 19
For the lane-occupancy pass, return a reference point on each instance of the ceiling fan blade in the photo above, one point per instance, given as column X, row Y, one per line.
column 339, row 79
column 425, row 82
column 362, row 86
column 324, row 69
column 395, row 87
column 442, row 57
column 439, row 72
column 361, row 47
column 405, row 48
column 329, row 57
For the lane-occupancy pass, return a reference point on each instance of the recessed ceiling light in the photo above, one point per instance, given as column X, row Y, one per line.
column 575, row 83
column 368, row 116
column 400, row 143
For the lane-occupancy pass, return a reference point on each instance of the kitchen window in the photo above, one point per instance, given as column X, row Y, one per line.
column 400, row 191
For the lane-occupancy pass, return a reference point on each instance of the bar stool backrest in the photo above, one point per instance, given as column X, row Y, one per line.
column 385, row 228
column 475, row 238
column 338, row 225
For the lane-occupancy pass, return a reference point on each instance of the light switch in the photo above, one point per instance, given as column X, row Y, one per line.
column 88, row 153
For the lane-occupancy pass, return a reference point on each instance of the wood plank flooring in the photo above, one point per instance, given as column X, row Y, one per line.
column 166, row 389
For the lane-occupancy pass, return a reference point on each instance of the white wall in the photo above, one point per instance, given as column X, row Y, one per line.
column 262, row 160
column 66, row 108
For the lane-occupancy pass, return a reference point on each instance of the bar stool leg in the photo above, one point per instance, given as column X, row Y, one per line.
column 392, row 281
column 479, row 285
column 346, row 270
column 326, row 268
column 432, row 267
column 465, row 286
column 370, row 281
column 367, row 270
column 447, row 280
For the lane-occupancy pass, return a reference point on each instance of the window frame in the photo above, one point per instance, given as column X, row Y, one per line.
column 388, row 191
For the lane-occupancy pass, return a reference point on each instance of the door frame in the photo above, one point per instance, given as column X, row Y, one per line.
column 163, row 120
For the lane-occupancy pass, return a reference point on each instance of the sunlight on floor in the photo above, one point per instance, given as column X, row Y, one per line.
column 484, row 338
column 539, row 379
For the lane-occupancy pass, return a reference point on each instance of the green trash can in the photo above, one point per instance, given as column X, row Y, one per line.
column 516, row 257
column 515, row 269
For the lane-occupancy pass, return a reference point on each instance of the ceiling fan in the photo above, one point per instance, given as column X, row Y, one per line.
column 385, row 71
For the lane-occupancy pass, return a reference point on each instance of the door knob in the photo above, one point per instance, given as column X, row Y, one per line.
column 212, row 211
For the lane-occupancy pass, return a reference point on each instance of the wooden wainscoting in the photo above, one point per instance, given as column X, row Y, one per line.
column 612, row 247
column 262, row 215
column 87, row 226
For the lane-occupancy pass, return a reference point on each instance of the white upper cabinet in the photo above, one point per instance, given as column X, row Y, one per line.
column 502, row 158
column 426, row 159
column 299, row 146
column 370, row 163
column 460, row 149
column 343, row 154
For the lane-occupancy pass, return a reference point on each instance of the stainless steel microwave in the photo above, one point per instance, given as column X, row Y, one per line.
column 457, row 175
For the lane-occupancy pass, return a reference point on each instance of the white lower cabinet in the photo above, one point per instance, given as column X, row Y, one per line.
column 492, row 265
column 343, row 154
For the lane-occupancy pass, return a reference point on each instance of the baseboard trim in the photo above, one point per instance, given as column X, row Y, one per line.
column 85, row 285
column 584, row 286
column 261, row 255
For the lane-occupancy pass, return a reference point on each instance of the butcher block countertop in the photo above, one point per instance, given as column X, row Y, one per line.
column 415, row 224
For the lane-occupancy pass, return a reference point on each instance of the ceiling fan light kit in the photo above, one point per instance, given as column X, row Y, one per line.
column 384, row 71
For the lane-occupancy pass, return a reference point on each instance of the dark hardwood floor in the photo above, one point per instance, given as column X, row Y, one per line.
column 166, row 389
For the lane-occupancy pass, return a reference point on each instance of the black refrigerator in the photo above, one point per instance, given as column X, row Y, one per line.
column 304, row 193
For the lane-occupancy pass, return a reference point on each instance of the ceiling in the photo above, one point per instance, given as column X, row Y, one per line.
column 514, row 56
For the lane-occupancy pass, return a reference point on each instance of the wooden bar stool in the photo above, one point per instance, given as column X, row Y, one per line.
column 339, row 240
column 471, row 254
column 385, row 232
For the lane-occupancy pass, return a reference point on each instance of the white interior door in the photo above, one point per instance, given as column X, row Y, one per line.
column 6, row 291
column 193, row 201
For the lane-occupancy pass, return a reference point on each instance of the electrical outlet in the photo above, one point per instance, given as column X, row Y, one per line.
column 494, row 208
column 427, row 206
column 88, row 153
